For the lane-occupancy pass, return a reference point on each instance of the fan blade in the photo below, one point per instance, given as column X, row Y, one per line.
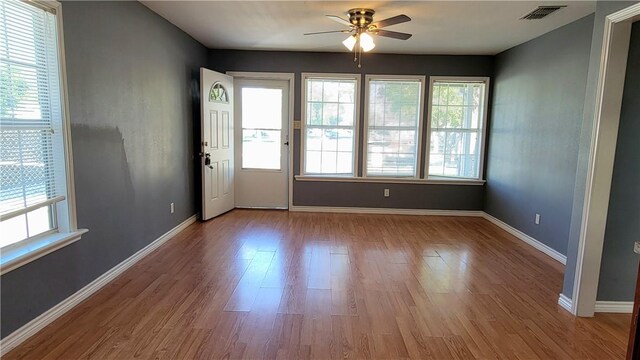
column 399, row 19
column 392, row 34
column 339, row 19
column 329, row 32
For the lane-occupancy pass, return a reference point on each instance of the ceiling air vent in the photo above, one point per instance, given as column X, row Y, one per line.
column 542, row 11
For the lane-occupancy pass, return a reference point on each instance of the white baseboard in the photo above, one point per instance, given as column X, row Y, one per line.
column 566, row 303
column 528, row 239
column 385, row 211
column 32, row 327
column 623, row 307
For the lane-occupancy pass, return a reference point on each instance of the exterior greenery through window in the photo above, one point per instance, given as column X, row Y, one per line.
column 330, row 125
column 456, row 128
column 393, row 124
column 33, row 182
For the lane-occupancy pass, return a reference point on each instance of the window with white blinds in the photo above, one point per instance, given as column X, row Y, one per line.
column 394, row 110
column 32, row 164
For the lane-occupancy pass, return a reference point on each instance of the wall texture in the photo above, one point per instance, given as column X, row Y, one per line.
column 131, row 93
column 619, row 267
column 538, row 99
column 420, row 196
column 603, row 8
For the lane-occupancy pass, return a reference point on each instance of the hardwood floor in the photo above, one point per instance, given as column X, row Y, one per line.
column 273, row 284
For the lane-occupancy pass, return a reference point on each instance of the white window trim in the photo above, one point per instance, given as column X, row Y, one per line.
column 422, row 80
column 23, row 252
column 432, row 80
column 303, row 120
column 389, row 180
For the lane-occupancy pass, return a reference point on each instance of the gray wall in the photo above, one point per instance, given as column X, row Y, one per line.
column 619, row 267
column 131, row 95
column 539, row 90
column 603, row 8
column 465, row 197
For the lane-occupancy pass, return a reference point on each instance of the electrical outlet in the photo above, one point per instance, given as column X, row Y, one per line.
column 537, row 220
column 386, row 192
column 173, row 208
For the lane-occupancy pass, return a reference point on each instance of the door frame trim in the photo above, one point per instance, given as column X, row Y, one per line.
column 250, row 75
column 609, row 91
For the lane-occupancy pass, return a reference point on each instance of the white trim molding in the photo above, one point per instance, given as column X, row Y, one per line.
column 385, row 211
column 290, row 77
column 420, row 79
column 622, row 307
column 388, row 180
column 565, row 302
column 528, row 239
column 482, row 132
column 32, row 327
column 12, row 257
column 607, row 107
column 303, row 115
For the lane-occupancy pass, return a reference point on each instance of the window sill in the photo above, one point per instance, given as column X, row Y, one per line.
column 36, row 248
column 431, row 181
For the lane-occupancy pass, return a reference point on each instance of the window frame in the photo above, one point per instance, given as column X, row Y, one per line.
column 419, row 130
column 303, row 121
column 483, row 131
column 22, row 252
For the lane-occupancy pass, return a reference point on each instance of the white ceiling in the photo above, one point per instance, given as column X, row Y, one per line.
column 438, row 27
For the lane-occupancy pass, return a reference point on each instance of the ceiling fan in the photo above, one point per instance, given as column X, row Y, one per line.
column 361, row 27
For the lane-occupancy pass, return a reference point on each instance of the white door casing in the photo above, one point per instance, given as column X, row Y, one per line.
column 217, row 143
column 262, row 185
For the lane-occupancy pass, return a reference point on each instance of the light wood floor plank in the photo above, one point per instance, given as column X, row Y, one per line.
column 279, row 285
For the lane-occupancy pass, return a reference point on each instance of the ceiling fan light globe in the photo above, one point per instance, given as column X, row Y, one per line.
column 366, row 42
column 350, row 42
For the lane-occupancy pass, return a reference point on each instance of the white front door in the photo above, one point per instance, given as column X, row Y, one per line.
column 216, row 126
column 262, row 139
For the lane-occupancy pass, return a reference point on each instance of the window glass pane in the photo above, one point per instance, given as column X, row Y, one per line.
column 457, row 117
column 454, row 154
column 329, row 162
column 345, row 140
column 329, row 140
column 39, row 221
column 314, row 113
column 261, row 149
column 314, row 162
column 261, row 108
column 13, row 230
column 330, row 114
column 314, row 139
column 392, row 122
column 315, row 93
column 347, row 93
column 330, row 91
column 330, row 126
column 345, row 114
column 31, row 143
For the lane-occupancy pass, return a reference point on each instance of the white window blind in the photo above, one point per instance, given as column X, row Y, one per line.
column 32, row 170
column 393, row 122
column 330, row 126
column 457, row 121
